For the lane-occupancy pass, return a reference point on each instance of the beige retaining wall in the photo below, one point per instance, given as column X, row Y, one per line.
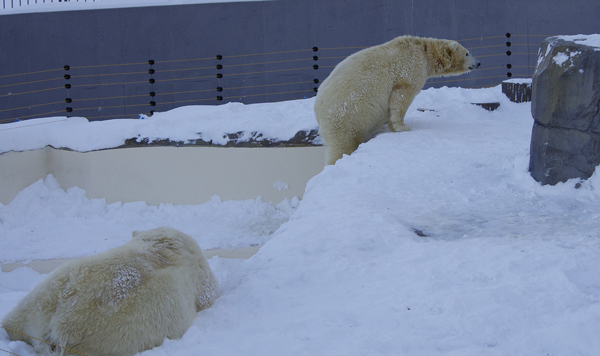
column 177, row 175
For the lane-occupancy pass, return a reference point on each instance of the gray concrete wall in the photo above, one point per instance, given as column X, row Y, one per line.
column 108, row 50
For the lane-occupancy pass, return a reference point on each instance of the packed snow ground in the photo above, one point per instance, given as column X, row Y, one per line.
column 430, row 242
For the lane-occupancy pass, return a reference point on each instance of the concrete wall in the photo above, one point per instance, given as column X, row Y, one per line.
column 20, row 169
column 92, row 41
column 177, row 175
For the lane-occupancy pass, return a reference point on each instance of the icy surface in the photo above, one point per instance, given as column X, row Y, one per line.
column 430, row 242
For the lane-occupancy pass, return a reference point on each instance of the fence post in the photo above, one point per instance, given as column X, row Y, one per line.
column 508, row 54
column 151, row 71
column 68, row 99
column 315, row 67
column 219, row 76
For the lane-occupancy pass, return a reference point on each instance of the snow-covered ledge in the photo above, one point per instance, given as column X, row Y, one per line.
column 177, row 175
column 182, row 156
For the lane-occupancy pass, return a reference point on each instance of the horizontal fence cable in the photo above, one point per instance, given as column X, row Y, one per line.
column 277, row 93
column 108, row 65
column 111, row 97
column 186, row 78
column 184, row 60
column 31, row 92
column 30, row 73
column 480, row 38
column 111, row 107
column 491, row 55
column 185, row 101
column 268, row 71
column 267, row 53
column 181, row 69
column 339, row 48
column 271, row 62
column 32, row 82
column 266, row 85
column 104, row 84
column 104, row 74
column 185, row 92
column 32, row 106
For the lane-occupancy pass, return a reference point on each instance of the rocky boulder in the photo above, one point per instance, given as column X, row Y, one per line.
column 565, row 104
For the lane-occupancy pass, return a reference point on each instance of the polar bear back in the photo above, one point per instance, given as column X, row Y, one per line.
column 361, row 84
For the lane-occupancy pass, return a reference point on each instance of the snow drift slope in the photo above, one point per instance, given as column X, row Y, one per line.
column 507, row 267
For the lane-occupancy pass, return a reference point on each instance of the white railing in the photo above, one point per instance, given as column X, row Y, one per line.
column 23, row 6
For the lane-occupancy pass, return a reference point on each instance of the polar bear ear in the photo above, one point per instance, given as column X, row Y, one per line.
column 453, row 45
column 135, row 233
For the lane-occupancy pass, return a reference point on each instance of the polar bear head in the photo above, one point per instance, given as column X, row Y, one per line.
column 450, row 58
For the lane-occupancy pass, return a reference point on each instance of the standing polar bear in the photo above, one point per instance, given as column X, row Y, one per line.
column 119, row 302
column 378, row 84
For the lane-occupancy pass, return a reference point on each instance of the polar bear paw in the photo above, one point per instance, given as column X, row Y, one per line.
column 400, row 127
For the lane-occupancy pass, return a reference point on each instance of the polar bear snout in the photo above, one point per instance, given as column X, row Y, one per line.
column 473, row 63
column 475, row 66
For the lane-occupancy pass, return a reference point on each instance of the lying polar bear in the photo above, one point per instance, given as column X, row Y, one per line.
column 119, row 302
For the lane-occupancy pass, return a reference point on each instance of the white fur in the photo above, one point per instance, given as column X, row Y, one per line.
column 119, row 302
column 378, row 84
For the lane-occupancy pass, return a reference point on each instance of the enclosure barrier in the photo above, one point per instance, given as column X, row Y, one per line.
column 132, row 90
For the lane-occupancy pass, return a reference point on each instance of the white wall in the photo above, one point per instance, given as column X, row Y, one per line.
column 177, row 175
column 20, row 169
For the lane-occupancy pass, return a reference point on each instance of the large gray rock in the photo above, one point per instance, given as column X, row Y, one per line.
column 565, row 104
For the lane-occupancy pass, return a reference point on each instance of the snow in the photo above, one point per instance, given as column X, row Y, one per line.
column 518, row 81
column 431, row 242
column 280, row 185
column 587, row 40
column 206, row 122
column 560, row 58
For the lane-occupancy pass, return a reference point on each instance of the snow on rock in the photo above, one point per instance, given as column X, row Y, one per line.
column 561, row 58
column 586, row 40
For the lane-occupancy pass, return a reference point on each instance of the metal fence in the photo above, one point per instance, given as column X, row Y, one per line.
column 124, row 90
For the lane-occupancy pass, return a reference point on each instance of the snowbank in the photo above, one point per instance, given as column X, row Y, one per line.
column 429, row 242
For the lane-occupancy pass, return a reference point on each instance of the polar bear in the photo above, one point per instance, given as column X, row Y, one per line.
column 119, row 302
column 378, row 84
